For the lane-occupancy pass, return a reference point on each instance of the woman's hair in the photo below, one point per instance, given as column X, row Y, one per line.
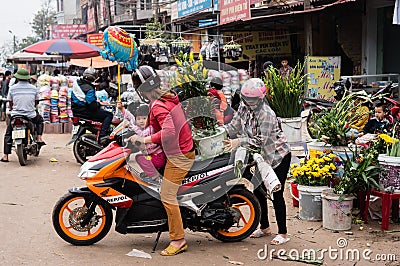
column 142, row 110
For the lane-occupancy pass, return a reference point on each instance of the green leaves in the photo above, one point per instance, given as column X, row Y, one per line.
column 286, row 95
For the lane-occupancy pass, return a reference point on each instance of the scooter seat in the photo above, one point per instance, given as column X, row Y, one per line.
column 209, row 164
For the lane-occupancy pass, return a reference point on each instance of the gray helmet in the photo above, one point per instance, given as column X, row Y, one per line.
column 89, row 74
column 147, row 78
column 217, row 81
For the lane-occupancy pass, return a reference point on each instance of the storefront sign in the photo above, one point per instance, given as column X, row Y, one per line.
column 96, row 39
column 252, row 2
column 322, row 72
column 188, row 7
column 233, row 10
column 207, row 22
column 67, row 31
column 261, row 43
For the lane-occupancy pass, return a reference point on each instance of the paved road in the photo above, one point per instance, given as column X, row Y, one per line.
column 28, row 194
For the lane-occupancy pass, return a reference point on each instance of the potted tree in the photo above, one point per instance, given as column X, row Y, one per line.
column 285, row 95
column 190, row 79
column 360, row 175
column 313, row 176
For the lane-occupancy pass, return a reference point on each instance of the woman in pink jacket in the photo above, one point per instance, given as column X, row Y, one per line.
column 173, row 133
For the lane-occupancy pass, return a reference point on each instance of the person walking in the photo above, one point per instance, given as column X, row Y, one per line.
column 256, row 124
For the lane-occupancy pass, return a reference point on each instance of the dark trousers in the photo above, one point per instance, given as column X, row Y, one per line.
column 279, row 202
column 99, row 115
column 37, row 120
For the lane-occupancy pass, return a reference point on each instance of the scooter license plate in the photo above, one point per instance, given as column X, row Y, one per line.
column 18, row 134
column 75, row 130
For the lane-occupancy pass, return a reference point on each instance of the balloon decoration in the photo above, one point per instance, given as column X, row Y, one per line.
column 119, row 46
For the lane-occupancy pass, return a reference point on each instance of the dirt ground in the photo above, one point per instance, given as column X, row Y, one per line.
column 28, row 194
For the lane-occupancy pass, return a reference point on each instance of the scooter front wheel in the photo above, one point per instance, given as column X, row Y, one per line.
column 71, row 210
column 246, row 210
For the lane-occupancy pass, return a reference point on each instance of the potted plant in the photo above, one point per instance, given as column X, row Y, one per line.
column 313, row 176
column 390, row 161
column 333, row 126
column 360, row 174
column 190, row 78
column 285, row 96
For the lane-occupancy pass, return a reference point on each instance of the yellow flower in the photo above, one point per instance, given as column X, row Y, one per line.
column 195, row 66
column 191, row 57
column 178, row 62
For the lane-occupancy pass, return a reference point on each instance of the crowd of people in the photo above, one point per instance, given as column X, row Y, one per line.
column 162, row 127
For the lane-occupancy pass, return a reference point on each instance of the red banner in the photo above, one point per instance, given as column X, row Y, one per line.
column 67, row 31
column 233, row 10
column 95, row 39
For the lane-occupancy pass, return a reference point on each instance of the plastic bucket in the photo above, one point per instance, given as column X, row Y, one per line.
column 310, row 203
column 295, row 194
column 292, row 128
column 392, row 176
column 315, row 146
column 211, row 146
column 341, row 151
column 336, row 215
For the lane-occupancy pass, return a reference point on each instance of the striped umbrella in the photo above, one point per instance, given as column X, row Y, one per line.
column 65, row 47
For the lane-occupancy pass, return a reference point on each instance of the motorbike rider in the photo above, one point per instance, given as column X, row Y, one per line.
column 173, row 133
column 23, row 98
column 256, row 124
column 84, row 102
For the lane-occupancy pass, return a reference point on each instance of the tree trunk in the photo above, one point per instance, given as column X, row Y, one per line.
column 110, row 18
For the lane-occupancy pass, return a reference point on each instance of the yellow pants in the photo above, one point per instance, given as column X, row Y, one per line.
column 176, row 169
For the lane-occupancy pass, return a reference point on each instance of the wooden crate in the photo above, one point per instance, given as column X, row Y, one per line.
column 53, row 128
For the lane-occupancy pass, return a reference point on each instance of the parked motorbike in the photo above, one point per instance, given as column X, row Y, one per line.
column 24, row 137
column 85, row 136
column 210, row 200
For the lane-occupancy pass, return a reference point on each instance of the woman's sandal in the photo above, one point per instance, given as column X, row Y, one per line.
column 259, row 233
column 172, row 250
column 4, row 161
column 278, row 240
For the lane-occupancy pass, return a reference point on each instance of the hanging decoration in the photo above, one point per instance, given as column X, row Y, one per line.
column 180, row 45
column 155, row 48
column 232, row 50
column 119, row 46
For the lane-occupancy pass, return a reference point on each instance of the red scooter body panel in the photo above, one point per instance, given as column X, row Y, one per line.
column 111, row 151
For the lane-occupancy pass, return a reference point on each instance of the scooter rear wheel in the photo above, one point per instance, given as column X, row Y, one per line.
column 22, row 154
column 68, row 214
column 247, row 206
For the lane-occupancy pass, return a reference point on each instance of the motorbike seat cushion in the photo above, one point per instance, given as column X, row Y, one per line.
column 200, row 166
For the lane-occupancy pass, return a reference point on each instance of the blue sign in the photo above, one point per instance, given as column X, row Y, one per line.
column 207, row 22
column 188, row 7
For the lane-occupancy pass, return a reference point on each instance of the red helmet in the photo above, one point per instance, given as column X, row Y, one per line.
column 253, row 88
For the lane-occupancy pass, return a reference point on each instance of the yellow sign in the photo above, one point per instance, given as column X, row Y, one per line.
column 261, row 43
column 322, row 72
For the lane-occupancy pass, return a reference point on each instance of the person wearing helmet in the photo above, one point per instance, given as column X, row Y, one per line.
column 173, row 133
column 23, row 98
column 218, row 97
column 256, row 124
column 85, row 104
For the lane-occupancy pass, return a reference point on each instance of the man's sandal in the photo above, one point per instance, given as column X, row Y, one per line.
column 259, row 233
column 278, row 240
column 172, row 250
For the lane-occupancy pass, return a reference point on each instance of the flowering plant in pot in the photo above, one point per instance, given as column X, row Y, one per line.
column 190, row 77
column 190, row 80
column 333, row 126
column 317, row 171
column 361, row 172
